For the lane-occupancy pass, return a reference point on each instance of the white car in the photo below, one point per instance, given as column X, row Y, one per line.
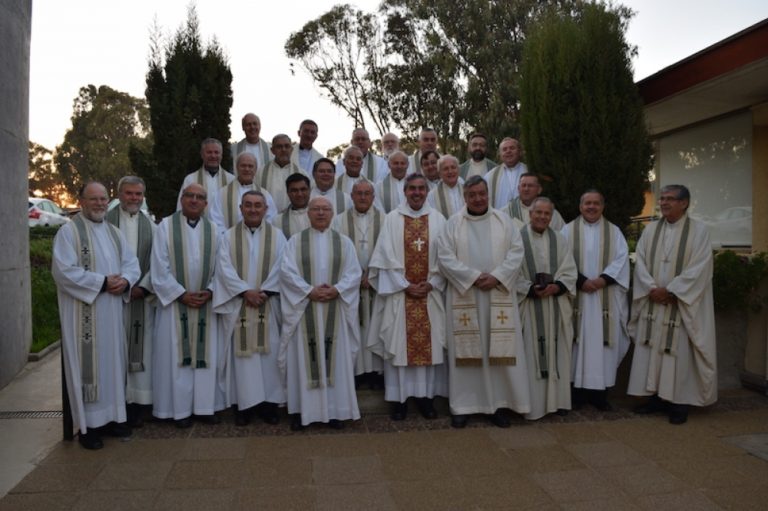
column 45, row 212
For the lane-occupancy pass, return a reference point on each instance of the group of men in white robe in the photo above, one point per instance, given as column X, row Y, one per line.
column 374, row 268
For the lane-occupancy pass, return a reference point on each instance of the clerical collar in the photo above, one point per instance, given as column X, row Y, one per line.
column 360, row 213
column 244, row 184
column 252, row 229
column 128, row 213
column 211, row 171
column 305, row 148
column 485, row 212
column 193, row 223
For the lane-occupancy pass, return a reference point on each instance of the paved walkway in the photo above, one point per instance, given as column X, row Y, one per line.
column 587, row 460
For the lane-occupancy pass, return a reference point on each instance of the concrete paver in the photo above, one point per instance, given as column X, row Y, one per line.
column 586, row 460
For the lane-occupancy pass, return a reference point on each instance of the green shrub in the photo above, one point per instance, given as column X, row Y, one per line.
column 736, row 280
column 46, row 328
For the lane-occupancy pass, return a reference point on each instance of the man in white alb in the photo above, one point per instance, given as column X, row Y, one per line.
column 372, row 166
column 211, row 175
column 390, row 193
column 272, row 177
column 448, row 196
column 503, row 179
column 252, row 143
column 304, row 155
column 294, row 219
column 94, row 270
column 324, row 175
column 519, row 208
column 478, row 163
column 427, row 142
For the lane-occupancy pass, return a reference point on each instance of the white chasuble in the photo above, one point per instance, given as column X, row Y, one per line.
column 387, row 336
column 469, row 246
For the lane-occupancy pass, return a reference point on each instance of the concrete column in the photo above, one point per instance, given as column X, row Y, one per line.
column 15, row 305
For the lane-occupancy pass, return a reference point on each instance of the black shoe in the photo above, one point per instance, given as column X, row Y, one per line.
column 90, row 440
column 426, row 406
column 500, row 419
column 678, row 414
column 268, row 413
column 209, row 419
column 296, row 424
column 133, row 413
column 577, row 398
column 562, row 412
column 399, row 411
column 599, row 399
column 653, row 405
column 184, row 423
column 459, row 421
column 118, row 430
column 335, row 424
column 376, row 381
column 242, row 417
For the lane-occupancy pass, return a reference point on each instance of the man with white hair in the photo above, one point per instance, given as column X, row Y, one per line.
column 211, row 175
column 503, row 180
column 372, row 166
column 94, row 270
column 139, row 314
column 390, row 192
column 448, row 196
column 353, row 166
column 319, row 296
column 389, row 144
column 224, row 210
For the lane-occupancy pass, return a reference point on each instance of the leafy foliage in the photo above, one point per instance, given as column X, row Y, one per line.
column 582, row 117
column 43, row 177
column 449, row 64
column 736, row 279
column 189, row 92
column 105, row 124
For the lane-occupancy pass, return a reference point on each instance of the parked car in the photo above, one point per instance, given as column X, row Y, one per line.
column 45, row 212
column 731, row 227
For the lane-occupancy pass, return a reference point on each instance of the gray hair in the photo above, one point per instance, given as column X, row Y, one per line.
column 444, row 158
column 130, row 180
column 209, row 141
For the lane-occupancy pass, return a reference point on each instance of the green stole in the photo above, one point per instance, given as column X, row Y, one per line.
column 417, row 162
column 515, row 209
column 605, row 299
column 231, row 203
column 542, row 343
column 370, row 170
column 339, row 185
column 312, row 336
column 85, row 331
column 136, row 318
column 348, row 228
column 494, row 185
column 442, row 200
column 670, row 322
column 263, row 147
column 221, row 177
column 193, row 345
column 250, row 340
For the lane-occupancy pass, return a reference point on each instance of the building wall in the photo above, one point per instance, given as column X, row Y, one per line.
column 15, row 305
column 714, row 160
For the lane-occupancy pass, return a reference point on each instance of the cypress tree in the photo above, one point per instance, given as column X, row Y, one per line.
column 581, row 116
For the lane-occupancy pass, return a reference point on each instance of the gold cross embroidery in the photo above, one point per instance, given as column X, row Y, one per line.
column 465, row 319
column 502, row 317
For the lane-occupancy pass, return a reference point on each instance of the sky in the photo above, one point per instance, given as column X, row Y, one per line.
column 106, row 42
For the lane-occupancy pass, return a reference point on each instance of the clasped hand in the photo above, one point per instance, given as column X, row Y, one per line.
column 323, row 293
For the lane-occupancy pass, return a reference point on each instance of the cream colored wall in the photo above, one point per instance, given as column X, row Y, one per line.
column 760, row 178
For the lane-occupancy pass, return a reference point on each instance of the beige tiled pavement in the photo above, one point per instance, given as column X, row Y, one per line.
column 585, row 461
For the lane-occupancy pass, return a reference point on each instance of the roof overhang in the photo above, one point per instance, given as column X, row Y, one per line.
column 729, row 76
